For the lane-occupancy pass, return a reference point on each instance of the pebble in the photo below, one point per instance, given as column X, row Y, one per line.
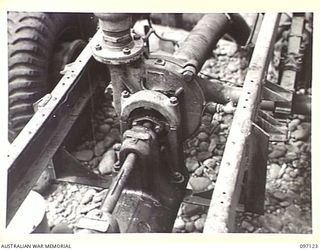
column 192, row 164
column 199, row 183
column 199, row 224
column 179, row 223
column 212, row 145
column 191, row 209
column 293, row 124
column 108, row 141
column 84, row 155
column 115, row 133
column 277, row 152
column 274, row 171
column 271, row 222
column 204, row 155
column 99, row 148
column 199, row 170
column 189, row 227
column 302, row 132
column 285, row 203
column 202, row 136
column 104, row 128
column 106, row 164
column 210, row 163
column 279, row 195
column 87, row 197
column 203, row 146
column 247, row 226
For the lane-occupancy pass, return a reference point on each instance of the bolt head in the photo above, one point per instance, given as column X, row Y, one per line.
column 125, row 94
column 126, row 51
column 188, row 75
column 98, row 47
column 173, row 100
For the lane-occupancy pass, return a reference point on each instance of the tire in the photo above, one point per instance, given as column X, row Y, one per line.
column 34, row 39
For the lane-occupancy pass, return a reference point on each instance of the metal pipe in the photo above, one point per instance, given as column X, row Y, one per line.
column 202, row 39
column 119, row 183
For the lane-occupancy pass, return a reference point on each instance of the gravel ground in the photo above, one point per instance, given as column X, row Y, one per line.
column 288, row 188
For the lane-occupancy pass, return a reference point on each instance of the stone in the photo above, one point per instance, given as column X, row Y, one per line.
column 104, row 128
column 199, row 183
column 106, row 164
column 84, row 155
column 247, row 226
column 190, row 209
column 199, row 171
column 109, row 120
column 274, row 170
column 293, row 124
column 204, row 155
column 202, row 136
column 285, row 203
column 108, row 141
column 277, row 152
column 88, row 196
column 192, row 164
column 99, row 148
column 271, row 222
column 212, row 145
column 115, row 133
column 279, row 195
column 233, row 66
column 210, row 163
column 179, row 223
column 199, row 224
column 203, row 146
column 302, row 132
column 99, row 136
column 61, row 228
column 189, row 226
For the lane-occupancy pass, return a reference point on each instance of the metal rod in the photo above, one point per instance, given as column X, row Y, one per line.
column 36, row 144
column 221, row 214
column 119, row 183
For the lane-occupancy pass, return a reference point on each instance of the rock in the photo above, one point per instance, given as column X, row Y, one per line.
column 302, row 132
column 212, row 145
column 202, row 136
column 285, row 203
column 247, row 226
column 199, row 183
column 274, row 171
column 109, row 120
column 88, row 196
column 204, row 155
column 99, row 136
column 210, row 163
column 199, row 224
column 271, row 222
column 277, row 152
column 192, row 164
column 179, row 223
column 189, row 226
column 199, row 171
column 281, row 196
column 104, row 128
column 99, row 148
column 233, row 66
column 293, row 124
column 108, row 141
column 206, row 119
column 106, row 164
column 84, row 155
column 195, row 217
column 203, row 146
column 189, row 209
column 115, row 133
column 61, row 228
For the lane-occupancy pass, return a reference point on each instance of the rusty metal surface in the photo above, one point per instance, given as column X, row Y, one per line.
column 225, row 197
column 36, row 144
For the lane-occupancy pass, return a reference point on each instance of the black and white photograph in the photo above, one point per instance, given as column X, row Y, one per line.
column 159, row 123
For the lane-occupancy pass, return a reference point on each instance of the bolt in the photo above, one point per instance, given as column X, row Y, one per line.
column 188, row 75
column 178, row 177
column 173, row 100
column 160, row 62
column 136, row 36
column 157, row 128
column 126, row 51
column 98, row 47
column 125, row 94
column 117, row 166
